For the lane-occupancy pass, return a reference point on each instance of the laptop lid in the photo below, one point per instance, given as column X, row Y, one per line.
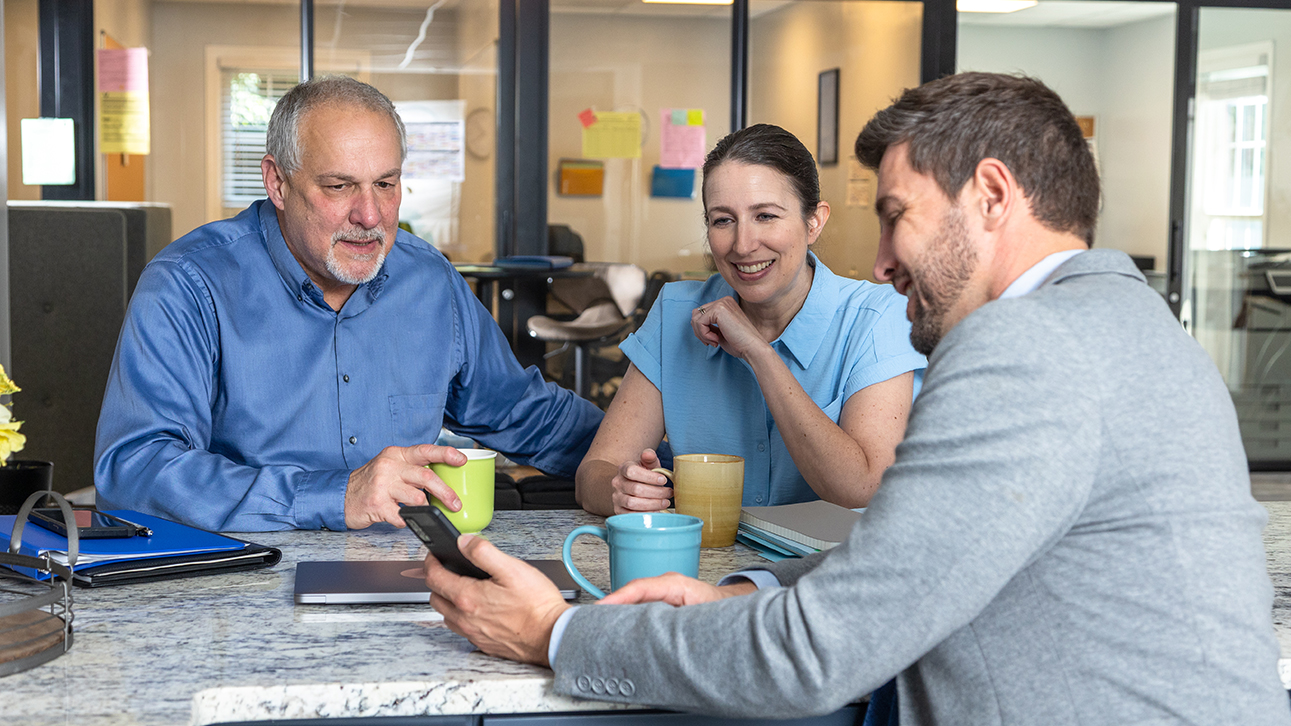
column 389, row 581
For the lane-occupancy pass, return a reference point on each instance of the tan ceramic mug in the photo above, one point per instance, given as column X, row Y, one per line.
column 711, row 487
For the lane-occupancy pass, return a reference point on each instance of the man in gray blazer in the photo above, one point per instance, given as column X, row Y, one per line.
column 1067, row 535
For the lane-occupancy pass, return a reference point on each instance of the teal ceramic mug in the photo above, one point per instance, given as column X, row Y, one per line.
column 642, row 545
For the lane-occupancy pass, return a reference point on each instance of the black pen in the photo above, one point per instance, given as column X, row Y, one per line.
column 140, row 530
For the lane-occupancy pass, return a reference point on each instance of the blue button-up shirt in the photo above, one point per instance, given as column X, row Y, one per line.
column 849, row 334
column 239, row 400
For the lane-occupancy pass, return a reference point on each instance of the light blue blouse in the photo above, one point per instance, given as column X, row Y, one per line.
column 849, row 334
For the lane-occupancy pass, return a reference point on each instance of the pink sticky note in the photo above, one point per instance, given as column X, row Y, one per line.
column 123, row 69
column 682, row 147
column 587, row 117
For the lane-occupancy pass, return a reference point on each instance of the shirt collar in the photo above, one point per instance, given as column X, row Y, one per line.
column 806, row 332
column 1028, row 281
column 294, row 275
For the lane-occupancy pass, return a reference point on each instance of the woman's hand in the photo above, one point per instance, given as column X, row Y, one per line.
column 637, row 489
column 722, row 323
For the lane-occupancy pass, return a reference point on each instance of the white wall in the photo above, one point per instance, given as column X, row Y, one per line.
column 620, row 63
column 875, row 46
column 1123, row 77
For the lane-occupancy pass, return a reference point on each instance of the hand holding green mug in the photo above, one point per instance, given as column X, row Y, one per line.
column 474, row 484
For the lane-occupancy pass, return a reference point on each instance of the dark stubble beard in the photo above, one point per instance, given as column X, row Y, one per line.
column 945, row 269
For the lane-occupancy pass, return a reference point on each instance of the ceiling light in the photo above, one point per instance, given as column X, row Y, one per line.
column 691, row 2
column 994, row 6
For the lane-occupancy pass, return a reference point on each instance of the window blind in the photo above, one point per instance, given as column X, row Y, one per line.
column 248, row 98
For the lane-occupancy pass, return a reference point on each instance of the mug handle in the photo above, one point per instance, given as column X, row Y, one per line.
column 666, row 472
column 566, row 556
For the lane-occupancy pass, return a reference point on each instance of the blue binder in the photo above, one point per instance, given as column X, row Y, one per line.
column 173, row 550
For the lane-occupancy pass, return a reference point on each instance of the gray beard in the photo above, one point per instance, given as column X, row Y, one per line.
column 949, row 263
column 334, row 265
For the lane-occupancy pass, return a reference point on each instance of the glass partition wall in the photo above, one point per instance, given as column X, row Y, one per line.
column 437, row 61
column 622, row 169
column 1113, row 63
column 821, row 69
column 1238, row 219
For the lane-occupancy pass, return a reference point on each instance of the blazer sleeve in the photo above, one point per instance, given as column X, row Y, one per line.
column 1000, row 456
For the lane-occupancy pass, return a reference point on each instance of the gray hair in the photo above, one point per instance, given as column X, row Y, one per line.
column 283, row 139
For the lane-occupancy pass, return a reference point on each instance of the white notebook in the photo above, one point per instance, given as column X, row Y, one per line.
column 817, row 524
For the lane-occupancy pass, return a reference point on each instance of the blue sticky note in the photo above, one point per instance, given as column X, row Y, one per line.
column 675, row 183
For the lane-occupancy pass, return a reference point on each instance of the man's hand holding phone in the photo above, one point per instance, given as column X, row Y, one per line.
column 503, row 605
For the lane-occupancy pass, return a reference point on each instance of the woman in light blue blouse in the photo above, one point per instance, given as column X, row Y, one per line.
column 807, row 375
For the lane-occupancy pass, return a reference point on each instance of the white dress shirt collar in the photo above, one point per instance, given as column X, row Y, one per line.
column 1039, row 272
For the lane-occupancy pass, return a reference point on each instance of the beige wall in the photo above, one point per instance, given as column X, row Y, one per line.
column 180, row 33
column 22, row 85
column 618, row 63
column 875, row 46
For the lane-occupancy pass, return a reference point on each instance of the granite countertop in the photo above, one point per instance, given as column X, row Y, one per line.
column 1277, row 548
column 236, row 647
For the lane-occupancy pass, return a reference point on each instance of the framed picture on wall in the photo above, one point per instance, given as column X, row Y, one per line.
column 827, row 118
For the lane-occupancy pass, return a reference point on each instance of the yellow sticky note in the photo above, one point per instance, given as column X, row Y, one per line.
column 615, row 135
column 695, row 117
column 123, row 122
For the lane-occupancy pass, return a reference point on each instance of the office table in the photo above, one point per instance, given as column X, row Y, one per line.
column 235, row 647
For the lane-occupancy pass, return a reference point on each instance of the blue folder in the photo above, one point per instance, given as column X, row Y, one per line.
column 173, row 550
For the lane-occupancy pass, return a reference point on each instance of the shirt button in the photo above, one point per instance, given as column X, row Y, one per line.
column 346, row 378
column 762, row 447
column 758, row 499
column 355, row 440
column 300, row 298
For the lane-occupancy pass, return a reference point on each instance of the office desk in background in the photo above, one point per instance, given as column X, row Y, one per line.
column 521, row 293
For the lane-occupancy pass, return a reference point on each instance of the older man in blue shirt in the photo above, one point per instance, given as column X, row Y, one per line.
column 290, row 367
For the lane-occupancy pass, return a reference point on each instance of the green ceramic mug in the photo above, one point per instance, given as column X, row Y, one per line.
column 474, row 485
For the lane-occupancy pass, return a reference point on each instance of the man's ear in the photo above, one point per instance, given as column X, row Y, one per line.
column 275, row 182
column 997, row 192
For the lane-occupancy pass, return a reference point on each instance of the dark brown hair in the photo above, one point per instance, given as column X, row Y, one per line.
column 767, row 145
column 953, row 123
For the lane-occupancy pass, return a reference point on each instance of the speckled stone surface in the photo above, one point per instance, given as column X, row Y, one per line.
column 1277, row 548
column 236, row 647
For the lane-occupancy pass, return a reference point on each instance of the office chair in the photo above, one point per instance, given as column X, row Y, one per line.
column 606, row 303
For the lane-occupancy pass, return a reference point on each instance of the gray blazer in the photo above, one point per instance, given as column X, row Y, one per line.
column 1067, row 537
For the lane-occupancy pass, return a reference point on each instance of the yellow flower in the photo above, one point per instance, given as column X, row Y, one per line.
column 7, row 386
column 10, row 440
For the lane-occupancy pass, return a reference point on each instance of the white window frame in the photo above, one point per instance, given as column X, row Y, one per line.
column 1212, row 153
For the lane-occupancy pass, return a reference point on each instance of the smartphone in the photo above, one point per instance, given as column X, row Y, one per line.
column 440, row 537
column 90, row 523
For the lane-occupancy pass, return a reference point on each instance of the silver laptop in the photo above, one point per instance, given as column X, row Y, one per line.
column 389, row 581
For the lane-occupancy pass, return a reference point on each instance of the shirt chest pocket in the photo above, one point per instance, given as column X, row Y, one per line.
column 416, row 419
column 834, row 410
